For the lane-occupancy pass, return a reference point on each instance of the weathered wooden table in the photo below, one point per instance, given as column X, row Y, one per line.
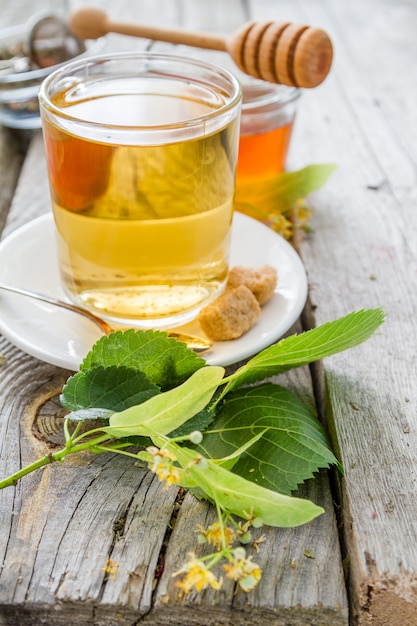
column 58, row 527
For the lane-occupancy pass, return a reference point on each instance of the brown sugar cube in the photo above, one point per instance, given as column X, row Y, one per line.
column 261, row 281
column 230, row 315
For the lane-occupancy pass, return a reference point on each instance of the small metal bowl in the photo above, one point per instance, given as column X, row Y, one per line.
column 19, row 83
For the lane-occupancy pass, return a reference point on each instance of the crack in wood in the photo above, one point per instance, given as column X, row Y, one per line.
column 170, row 527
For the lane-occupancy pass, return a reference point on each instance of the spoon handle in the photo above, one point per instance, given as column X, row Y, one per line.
column 105, row 328
column 198, row 344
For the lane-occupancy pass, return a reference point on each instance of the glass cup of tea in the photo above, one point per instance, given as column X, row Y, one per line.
column 141, row 152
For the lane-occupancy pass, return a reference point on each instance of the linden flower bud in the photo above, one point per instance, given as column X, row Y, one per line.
column 248, row 582
column 239, row 553
column 246, row 537
column 196, row 437
column 257, row 522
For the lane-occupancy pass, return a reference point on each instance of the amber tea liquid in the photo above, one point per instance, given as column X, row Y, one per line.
column 263, row 154
column 143, row 229
column 268, row 114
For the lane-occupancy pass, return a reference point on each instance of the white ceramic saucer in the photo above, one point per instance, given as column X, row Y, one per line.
column 28, row 260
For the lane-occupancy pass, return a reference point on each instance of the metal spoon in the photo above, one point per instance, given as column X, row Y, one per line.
column 51, row 42
column 198, row 344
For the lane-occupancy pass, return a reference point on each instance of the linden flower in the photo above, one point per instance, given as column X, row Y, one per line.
column 302, row 213
column 163, row 466
column 243, row 571
column 159, row 453
column 196, row 575
column 111, row 568
column 280, row 224
column 213, row 535
column 170, row 474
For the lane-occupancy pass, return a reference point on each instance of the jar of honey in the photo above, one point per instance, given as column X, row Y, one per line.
column 268, row 113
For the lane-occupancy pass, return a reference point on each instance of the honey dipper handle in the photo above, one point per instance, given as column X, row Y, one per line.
column 92, row 23
column 196, row 39
column 286, row 53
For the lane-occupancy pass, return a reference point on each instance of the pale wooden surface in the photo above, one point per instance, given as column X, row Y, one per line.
column 59, row 527
column 366, row 241
column 12, row 149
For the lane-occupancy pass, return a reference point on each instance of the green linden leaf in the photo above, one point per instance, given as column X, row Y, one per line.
column 310, row 346
column 165, row 361
column 273, row 432
column 115, row 388
column 293, row 445
column 279, row 193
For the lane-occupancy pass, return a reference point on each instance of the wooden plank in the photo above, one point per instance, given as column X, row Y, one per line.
column 363, row 254
column 12, row 151
column 31, row 197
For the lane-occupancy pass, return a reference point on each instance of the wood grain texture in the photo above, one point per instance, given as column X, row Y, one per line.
column 363, row 254
column 31, row 197
column 12, row 152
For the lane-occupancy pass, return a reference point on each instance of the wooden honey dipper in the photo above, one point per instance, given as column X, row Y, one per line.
column 285, row 53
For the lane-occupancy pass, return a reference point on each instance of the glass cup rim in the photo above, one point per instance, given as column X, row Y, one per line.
column 233, row 100
column 262, row 96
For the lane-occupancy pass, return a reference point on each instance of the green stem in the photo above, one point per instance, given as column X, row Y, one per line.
column 118, row 449
column 221, row 523
column 214, row 557
column 70, row 438
column 13, row 479
column 224, row 383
